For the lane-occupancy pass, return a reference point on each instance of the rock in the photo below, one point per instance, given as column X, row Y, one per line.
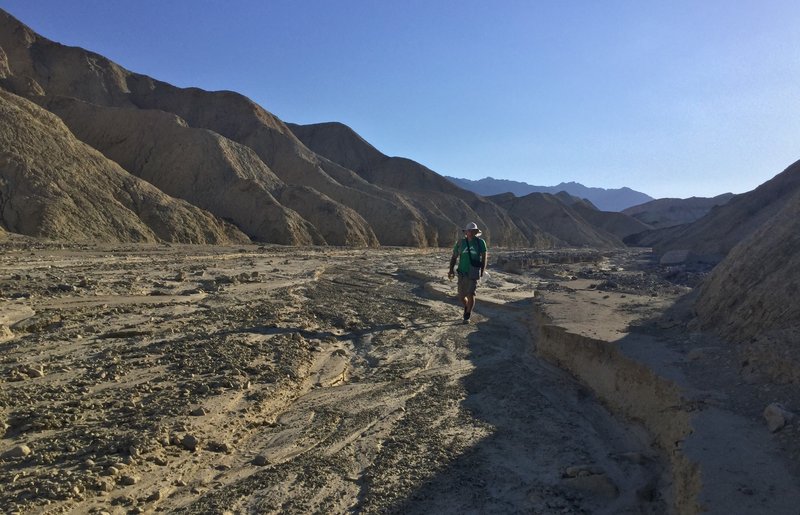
column 5, row 333
column 198, row 412
column 18, row 451
column 220, row 447
column 35, row 372
column 777, row 416
column 700, row 353
column 582, row 470
column 260, row 460
column 128, row 480
column 190, row 442
column 597, row 484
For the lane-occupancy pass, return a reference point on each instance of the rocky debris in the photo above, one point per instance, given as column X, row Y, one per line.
column 777, row 416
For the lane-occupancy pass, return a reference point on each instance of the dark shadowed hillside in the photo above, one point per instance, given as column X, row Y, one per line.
column 751, row 297
column 711, row 237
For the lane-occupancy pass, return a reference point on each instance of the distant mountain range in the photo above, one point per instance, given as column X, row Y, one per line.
column 604, row 199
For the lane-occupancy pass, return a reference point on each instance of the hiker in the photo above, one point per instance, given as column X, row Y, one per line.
column 470, row 251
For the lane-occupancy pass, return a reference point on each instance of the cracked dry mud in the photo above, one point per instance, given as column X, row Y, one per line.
column 256, row 380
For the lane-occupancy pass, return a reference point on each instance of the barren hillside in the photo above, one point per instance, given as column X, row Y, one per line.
column 667, row 212
column 54, row 186
column 751, row 296
column 550, row 214
column 711, row 238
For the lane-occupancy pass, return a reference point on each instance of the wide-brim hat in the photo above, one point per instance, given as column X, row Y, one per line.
column 472, row 226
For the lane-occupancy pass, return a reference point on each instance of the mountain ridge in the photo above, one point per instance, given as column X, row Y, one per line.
column 606, row 199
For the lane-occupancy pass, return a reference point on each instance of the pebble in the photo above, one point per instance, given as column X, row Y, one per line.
column 582, row 470
column 18, row 451
column 190, row 442
column 5, row 333
column 35, row 372
column 598, row 484
column 777, row 416
column 128, row 480
column 260, row 460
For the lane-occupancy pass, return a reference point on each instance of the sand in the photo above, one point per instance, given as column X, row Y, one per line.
column 244, row 379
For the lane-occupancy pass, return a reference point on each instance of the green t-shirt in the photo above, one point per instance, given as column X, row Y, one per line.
column 476, row 247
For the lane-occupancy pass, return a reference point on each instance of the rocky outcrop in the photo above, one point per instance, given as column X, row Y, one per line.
column 668, row 212
column 52, row 185
column 713, row 236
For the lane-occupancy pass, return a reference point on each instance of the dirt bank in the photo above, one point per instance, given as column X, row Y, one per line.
column 621, row 332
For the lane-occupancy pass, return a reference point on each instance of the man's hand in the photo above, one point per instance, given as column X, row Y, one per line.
column 450, row 274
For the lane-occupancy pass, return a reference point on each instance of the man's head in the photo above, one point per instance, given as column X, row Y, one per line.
column 471, row 230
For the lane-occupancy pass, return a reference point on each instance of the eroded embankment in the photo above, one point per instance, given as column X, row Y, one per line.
column 720, row 462
column 631, row 388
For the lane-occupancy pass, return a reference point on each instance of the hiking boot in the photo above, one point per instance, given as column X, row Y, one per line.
column 467, row 315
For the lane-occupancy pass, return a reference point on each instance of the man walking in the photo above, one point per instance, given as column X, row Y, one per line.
column 470, row 252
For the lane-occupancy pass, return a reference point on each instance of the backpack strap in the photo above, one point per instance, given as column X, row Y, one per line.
column 469, row 253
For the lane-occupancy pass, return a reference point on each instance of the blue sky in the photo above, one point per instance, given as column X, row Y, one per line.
column 675, row 98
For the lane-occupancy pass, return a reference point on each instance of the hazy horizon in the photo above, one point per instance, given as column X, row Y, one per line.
column 673, row 100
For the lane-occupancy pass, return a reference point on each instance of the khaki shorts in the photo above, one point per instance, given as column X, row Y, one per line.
column 466, row 286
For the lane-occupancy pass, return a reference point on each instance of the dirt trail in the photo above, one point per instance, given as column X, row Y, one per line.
column 295, row 381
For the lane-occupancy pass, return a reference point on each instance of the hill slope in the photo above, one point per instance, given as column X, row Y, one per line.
column 546, row 212
column 711, row 238
column 54, row 186
column 750, row 298
column 445, row 206
column 668, row 212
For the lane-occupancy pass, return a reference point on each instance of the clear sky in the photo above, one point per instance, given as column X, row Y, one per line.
column 673, row 98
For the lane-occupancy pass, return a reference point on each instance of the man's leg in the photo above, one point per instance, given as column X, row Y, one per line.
column 470, row 303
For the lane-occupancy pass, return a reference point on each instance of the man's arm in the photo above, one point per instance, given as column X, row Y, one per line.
column 484, row 260
column 451, row 273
